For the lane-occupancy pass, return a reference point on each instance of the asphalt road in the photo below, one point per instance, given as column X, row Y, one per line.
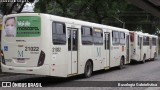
column 150, row 71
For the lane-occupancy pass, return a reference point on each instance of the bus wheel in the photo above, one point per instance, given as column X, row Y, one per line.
column 155, row 55
column 121, row 66
column 88, row 69
column 144, row 59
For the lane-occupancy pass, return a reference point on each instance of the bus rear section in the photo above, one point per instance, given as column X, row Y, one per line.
column 146, row 51
column 143, row 46
column 154, row 47
column 136, row 39
column 21, row 45
column 119, row 53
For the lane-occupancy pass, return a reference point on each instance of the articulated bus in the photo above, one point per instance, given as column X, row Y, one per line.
column 43, row 44
column 143, row 46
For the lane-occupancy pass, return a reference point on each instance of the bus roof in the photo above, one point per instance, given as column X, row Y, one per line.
column 70, row 20
column 154, row 36
column 144, row 34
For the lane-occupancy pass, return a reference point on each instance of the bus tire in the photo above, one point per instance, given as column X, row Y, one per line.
column 121, row 66
column 88, row 69
column 155, row 55
column 144, row 58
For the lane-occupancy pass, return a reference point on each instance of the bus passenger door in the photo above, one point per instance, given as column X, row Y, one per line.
column 127, row 49
column 150, row 43
column 141, row 44
column 72, row 48
column 107, row 49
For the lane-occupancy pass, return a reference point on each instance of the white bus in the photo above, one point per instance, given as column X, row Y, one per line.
column 154, row 47
column 45, row 44
column 143, row 46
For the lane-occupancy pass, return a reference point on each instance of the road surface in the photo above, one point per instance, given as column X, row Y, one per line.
column 150, row 71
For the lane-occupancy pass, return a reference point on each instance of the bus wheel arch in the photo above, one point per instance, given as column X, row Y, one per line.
column 88, row 69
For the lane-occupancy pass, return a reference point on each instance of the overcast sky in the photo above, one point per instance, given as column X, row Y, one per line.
column 28, row 7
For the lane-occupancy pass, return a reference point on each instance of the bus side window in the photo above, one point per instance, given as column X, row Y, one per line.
column 108, row 41
column 75, row 40
column 141, row 42
column 154, row 41
column 147, row 41
column 138, row 39
column 98, row 36
column 122, row 38
column 58, row 33
column 115, row 38
column 131, row 36
column 105, row 41
column 69, row 40
column 144, row 40
column 86, row 35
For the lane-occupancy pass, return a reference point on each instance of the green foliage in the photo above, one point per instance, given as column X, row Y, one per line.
column 109, row 12
column 3, row 8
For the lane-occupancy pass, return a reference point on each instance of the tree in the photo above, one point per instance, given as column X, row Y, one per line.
column 110, row 12
column 3, row 8
column 12, row 7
